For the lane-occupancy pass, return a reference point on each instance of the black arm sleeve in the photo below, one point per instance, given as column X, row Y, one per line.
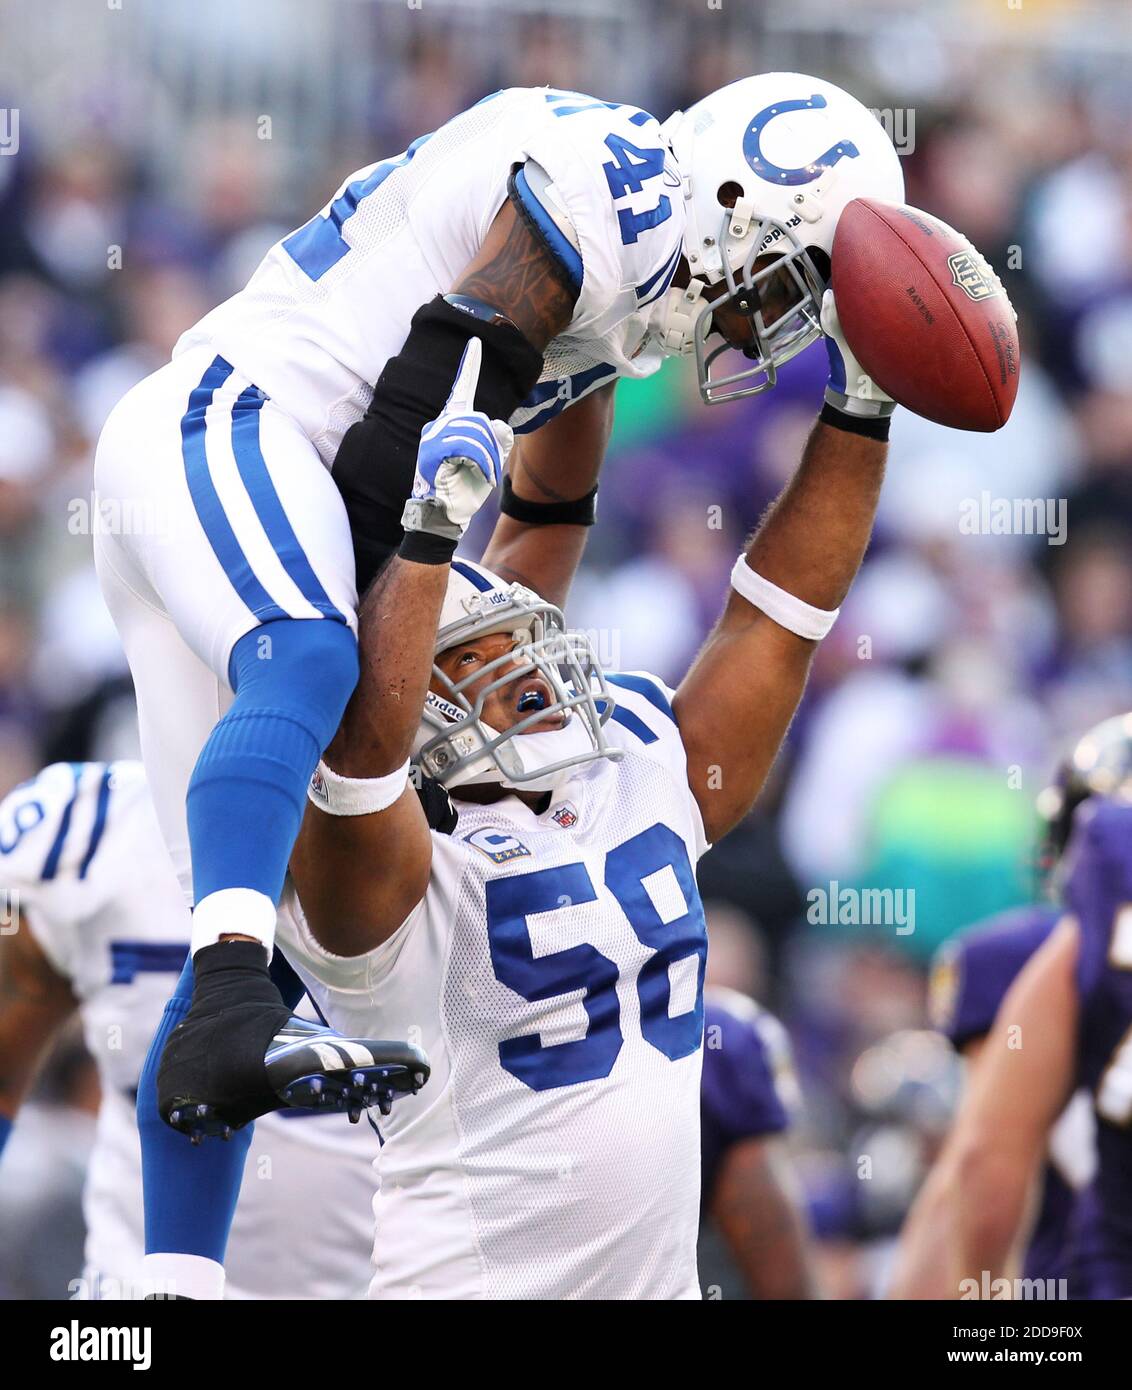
column 377, row 459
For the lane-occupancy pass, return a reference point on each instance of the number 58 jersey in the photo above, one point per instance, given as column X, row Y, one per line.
column 332, row 302
column 554, row 974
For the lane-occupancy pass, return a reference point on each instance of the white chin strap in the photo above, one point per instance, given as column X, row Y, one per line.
column 526, row 756
column 674, row 322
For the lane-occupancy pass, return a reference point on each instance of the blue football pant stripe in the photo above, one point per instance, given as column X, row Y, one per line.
column 252, row 468
column 253, row 472
column 209, row 508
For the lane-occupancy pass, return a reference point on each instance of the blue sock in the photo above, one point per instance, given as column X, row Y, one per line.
column 189, row 1192
column 292, row 680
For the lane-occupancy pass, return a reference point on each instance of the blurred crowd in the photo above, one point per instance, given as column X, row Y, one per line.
column 963, row 663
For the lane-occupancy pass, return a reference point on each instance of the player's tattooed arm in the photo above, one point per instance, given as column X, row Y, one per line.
column 517, row 276
column 735, row 704
column 756, row 1208
column 34, row 1003
column 350, row 904
column 558, row 463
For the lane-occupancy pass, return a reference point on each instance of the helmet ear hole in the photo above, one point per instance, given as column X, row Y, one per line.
column 729, row 193
column 822, row 263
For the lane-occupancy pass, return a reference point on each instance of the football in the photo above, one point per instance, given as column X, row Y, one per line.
column 925, row 315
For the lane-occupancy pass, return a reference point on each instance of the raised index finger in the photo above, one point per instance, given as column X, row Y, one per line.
column 462, row 397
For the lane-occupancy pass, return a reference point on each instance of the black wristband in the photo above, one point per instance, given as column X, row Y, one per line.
column 425, row 548
column 871, row 426
column 581, row 512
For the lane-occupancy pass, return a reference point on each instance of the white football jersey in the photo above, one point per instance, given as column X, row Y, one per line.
column 554, row 974
column 332, row 302
column 81, row 852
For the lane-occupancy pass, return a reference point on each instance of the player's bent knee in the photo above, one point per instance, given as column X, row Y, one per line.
column 306, row 665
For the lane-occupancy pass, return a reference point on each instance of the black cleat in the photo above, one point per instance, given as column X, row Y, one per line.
column 239, row 1053
column 316, row 1068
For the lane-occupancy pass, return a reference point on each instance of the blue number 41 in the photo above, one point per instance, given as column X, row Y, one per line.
column 628, row 171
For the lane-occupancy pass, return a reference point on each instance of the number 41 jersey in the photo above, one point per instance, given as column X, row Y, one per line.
column 332, row 302
column 554, row 974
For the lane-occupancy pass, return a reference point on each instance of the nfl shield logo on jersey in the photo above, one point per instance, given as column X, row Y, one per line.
column 318, row 788
column 565, row 815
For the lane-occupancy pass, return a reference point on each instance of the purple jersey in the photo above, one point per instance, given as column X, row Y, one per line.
column 747, row 1088
column 1099, row 894
column 971, row 974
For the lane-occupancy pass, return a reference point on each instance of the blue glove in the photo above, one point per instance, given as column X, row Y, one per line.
column 460, row 460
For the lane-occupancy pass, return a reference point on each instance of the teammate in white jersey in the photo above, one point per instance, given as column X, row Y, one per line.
column 100, row 926
column 577, row 241
column 546, row 947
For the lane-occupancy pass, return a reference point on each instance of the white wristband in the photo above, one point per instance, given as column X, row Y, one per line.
column 355, row 796
column 788, row 611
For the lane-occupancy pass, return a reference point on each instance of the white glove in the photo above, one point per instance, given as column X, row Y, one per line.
column 460, row 460
column 850, row 387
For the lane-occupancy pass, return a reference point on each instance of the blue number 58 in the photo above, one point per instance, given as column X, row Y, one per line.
column 510, row 901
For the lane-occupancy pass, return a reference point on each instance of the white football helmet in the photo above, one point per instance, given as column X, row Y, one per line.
column 456, row 745
column 790, row 151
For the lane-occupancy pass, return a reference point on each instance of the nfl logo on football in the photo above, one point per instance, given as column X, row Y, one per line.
column 973, row 276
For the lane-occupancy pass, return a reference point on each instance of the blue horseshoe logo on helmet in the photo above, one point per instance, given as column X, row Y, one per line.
column 844, row 149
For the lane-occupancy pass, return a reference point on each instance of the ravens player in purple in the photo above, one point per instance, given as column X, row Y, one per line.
column 747, row 1095
column 970, row 976
column 1065, row 1023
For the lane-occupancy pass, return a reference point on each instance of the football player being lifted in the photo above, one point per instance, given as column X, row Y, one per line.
column 578, row 241
column 544, row 941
